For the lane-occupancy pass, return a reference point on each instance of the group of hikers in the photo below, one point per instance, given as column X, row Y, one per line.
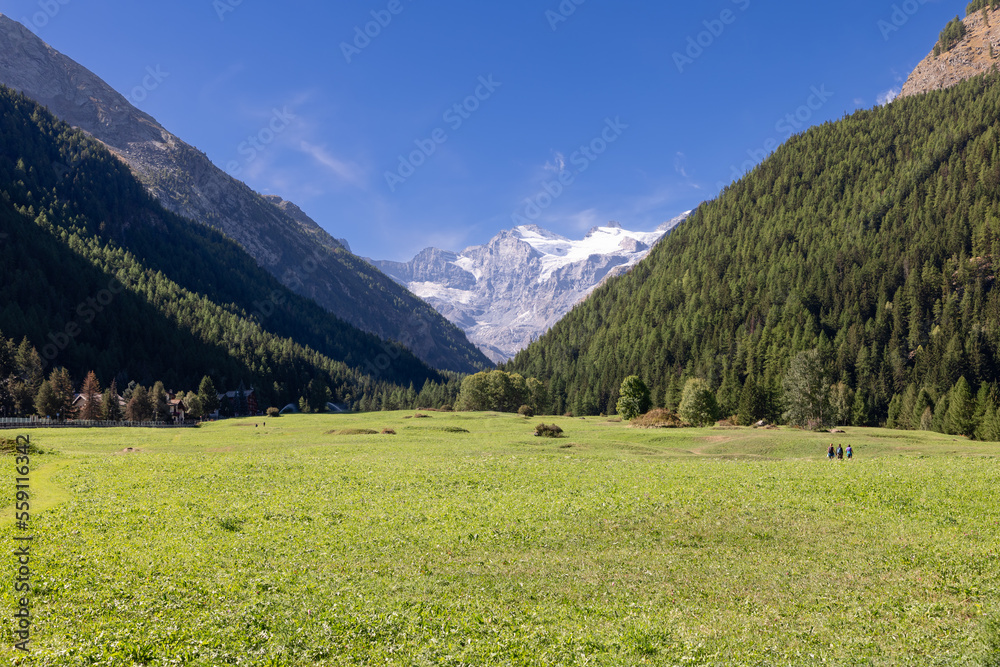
column 839, row 452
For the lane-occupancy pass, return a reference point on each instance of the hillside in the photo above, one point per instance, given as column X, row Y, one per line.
column 975, row 53
column 302, row 256
column 97, row 275
column 510, row 291
column 874, row 239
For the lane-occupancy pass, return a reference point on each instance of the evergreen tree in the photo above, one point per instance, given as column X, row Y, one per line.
column 860, row 415
column 698, row 405
column 319, row 395
column 753, row 403
column 111, row 408
column 895, row 405
column 90, row 392
column 842, row 400
column 940, row 421
column 139, row 408
column 158, row 405
column 961, row 410
column 729, row 394
column 926, row 422
column 633, row 398
column 209, row 396
column 989, row 430
column 923, row 406
column 46, row 403
column 906, row 409
column 807, row 392
column 62, row 389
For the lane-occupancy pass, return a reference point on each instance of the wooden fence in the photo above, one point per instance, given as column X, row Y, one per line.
column 39, row 422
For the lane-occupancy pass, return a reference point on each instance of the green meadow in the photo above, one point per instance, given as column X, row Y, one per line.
column 462, row 539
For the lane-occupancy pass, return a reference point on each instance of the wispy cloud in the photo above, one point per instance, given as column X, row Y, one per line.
column 888, row 96
column 557, row 164
column 346, row 171
column 680, row 164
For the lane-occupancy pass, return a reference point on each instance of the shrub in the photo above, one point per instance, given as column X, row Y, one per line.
column 273, row 413
column 526, row 411
column 634, row 399
column 548, row 431
column 698, row 405
column 445, row 408
column 658, row 418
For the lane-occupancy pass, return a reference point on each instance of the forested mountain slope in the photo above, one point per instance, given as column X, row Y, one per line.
column 874, row 239
column 300, row 255
column 99, row 276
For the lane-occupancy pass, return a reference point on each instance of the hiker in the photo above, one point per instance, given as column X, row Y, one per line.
column 840, row 452
column 850, row 453
column 829, row 453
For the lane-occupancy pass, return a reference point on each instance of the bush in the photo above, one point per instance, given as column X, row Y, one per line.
column 634, row 399
column 445, row 408
column 698, row 404
column 548, row 431
column 658, row 418
column 526, row 411
column 273, row 413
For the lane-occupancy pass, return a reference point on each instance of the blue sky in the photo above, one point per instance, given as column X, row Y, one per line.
column 450, row 121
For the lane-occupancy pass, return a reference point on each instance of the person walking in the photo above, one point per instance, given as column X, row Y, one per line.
column 850, row 453
column 840, row 452
column 829, row 453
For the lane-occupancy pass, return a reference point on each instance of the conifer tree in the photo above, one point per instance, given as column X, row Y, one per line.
column 807, row 392
column 111, row 408
column 139, row 408
column 698, row 406
column 46, row 404
column 90, row 392
column 961, row 417
column 208, row 395
column 62, row 389
column 753, row 403
column 158, row 405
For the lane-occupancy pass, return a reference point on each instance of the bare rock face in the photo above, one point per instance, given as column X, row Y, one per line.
column 277, row 234
column 969, row 58
column 513, row 289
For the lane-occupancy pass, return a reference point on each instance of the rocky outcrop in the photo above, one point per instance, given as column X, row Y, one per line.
column 977, row 53
column 513, row 289
column 277, row 234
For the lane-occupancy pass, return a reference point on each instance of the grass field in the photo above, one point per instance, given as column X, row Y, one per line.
column 464, row 540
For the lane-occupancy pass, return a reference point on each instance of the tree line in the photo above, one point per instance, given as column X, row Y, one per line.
column 872, row 240
column 98, row 276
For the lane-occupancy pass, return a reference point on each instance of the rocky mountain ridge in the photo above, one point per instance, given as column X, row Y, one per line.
column 282, row 239
column 978, row 52
column 508, row 292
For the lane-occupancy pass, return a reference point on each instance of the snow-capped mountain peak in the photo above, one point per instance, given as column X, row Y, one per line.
column 506, row 293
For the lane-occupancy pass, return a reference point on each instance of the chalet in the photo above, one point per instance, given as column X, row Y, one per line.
column 239, row 403
column 80, row 402
column 178, row 411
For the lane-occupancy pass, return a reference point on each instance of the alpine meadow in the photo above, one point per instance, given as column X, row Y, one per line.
column 446, row 334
